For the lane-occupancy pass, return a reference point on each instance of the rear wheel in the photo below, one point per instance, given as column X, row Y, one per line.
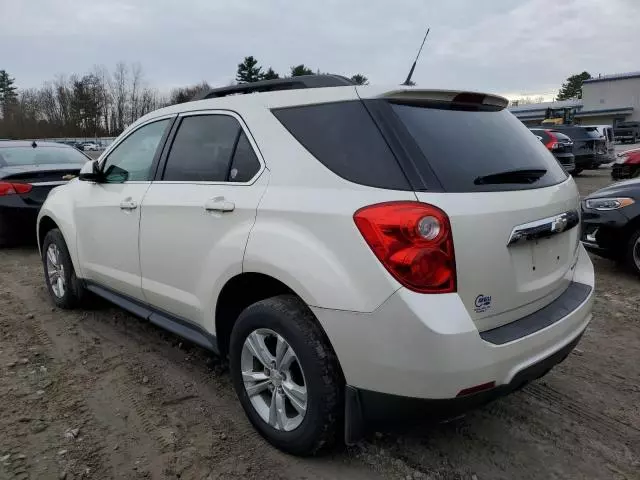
column 286, row 375
column 65, row 289
column 577, row 172
column 632, row 259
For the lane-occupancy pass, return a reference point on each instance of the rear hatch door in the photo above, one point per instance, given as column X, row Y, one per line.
column 513, row 209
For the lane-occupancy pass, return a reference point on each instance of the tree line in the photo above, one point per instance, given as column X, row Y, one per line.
column 103, row 102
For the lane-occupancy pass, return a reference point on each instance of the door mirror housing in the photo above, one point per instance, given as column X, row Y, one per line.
column 90, row 172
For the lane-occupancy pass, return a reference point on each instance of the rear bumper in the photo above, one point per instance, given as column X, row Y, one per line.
column 17, row 219
column 589, row 161
column 427, row 346
column 622, row 171
column 366, row 408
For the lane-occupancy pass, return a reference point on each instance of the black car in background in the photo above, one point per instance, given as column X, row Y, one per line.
column 28, row 171
column 589, row 148
column 611, row 223
column 627, row 132
column 559, row 144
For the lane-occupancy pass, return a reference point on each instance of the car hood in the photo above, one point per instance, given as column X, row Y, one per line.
column 626, row 188
column 54, row 167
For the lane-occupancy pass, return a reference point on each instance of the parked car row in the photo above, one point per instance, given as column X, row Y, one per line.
column 82, row 146
column 589, row 146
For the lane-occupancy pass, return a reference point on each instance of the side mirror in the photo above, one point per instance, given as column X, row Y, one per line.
column 90, row 172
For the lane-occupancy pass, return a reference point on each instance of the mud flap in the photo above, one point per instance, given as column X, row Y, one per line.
column 353, row 418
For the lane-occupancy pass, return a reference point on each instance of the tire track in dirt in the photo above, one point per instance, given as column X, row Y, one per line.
column 564, row 404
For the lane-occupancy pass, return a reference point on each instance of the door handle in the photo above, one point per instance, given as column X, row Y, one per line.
column 219, row 204
column 128, row 204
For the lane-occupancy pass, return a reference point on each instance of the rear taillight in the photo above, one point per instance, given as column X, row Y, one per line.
column 7, row 188
column 413, row 241
column 552, row 144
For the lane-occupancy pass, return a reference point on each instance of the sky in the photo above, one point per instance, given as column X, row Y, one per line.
column 509, row 47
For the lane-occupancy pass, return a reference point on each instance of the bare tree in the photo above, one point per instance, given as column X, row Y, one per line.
column 119, row 94
column 136, row 79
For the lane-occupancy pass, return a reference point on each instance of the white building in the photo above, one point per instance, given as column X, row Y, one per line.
column 606, row 100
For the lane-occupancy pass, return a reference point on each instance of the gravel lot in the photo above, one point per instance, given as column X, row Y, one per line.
column 100, row 394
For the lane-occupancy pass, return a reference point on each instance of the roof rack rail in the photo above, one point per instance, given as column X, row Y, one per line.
column 290, row 83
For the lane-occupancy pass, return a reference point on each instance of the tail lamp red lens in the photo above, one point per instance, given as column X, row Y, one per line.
column 7, row 188
column 413, row 241
column 553, row 141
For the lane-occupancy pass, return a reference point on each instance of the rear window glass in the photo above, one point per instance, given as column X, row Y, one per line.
column 581, row 133
column 345, row 139
column 464, row 148
column 16, row 156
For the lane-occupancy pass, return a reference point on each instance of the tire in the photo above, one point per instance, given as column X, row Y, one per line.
column 632, row 261
column 72, row 289
column 577, row 172
column 288, row 317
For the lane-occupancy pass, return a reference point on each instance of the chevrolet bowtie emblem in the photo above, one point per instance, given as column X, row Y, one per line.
column 68, row 177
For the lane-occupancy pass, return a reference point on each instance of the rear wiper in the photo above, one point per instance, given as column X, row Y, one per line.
column 523, row 175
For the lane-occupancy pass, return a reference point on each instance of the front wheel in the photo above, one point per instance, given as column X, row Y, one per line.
column 632, row 254
column 577, row 172
column 65, row 289
column 286, row 375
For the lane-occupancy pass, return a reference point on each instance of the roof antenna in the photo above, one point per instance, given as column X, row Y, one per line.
column 34, row 144
column 408, row 81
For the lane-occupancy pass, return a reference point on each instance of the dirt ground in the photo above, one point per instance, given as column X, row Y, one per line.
column 100, row 394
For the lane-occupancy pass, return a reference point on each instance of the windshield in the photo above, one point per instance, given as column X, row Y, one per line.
column 27, row 155
column 464, row 146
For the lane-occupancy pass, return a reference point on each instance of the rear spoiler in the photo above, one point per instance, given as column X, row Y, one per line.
column 413, row 95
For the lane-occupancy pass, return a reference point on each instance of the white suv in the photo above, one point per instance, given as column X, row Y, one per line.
column 355, row 251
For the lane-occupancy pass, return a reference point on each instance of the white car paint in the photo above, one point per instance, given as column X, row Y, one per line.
column 294, row 222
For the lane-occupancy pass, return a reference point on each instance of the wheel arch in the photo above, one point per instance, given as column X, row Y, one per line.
column 241, row 291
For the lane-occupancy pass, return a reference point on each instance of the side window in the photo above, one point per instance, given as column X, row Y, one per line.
column 245, row 163
column 202, row 149
column 132, row 159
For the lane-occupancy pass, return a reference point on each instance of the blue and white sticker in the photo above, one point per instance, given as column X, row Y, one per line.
column 482, row 303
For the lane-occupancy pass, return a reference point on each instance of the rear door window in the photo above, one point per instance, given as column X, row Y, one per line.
column 202, row 149
column 472, row 150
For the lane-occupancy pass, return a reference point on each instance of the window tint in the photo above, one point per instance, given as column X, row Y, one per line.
column 132, row 159
column 464, row 147
column 202, row 149
column 245, row 163
column 345, row 139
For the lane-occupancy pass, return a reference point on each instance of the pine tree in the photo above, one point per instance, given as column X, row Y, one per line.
column 572, row 88
column 270, row 74
column 301, row 69
column 248, row 71
column 360, row 79
column 8, row 95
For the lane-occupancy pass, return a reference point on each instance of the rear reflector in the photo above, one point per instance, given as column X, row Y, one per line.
column 477, row 389
column 7, row 188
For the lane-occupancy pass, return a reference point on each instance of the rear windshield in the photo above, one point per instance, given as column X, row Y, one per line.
column 580, row 133
column 465, row 148
column 18, row 156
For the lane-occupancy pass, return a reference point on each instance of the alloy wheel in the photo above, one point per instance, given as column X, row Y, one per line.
column 274, row 380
